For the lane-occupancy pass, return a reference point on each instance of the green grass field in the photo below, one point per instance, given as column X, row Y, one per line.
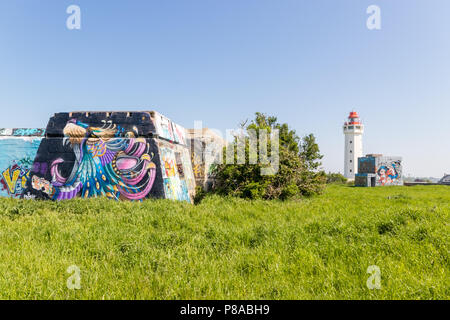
column 318, row 248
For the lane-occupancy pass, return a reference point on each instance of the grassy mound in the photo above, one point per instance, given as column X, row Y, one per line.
column 318, row 248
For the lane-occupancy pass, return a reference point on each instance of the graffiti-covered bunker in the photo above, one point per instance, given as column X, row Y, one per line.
column 18, row 149
column 118, row 155
column 377, row 170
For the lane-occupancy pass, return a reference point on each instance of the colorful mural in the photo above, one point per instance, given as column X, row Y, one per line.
column 378, row 170
column 118, row 155
column 16, row 158
column 163, row 126
column 179, row 134
column 14, row 180
column 109, row 161
column 174, row 173
column 21, row 132
column 187, row 169
column 389, row 172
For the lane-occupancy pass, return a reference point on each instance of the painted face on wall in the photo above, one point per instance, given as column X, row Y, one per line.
column 108, row 162
column 382, row 175
column 387, row 174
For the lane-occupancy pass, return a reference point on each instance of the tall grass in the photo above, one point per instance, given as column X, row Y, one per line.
column 317, row 248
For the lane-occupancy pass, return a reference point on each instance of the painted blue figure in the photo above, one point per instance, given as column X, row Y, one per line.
column 108, row 162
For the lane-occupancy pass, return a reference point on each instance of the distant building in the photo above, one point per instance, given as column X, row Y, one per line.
column 377, row 170
column 353, row 130
column 445, row 179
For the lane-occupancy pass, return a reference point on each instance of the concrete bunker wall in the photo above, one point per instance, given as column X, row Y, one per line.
column 18, row 148
column 119, row 155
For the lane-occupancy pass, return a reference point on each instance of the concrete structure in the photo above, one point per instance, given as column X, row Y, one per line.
column 18, row 147
column 376, row 170
column 119, row 155
column 206, row 150
column 445, row 180
column 353, row 130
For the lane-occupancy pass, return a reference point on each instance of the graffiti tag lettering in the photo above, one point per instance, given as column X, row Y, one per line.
column 14, row 180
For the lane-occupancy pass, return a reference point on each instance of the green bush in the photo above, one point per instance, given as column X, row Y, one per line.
column 298, row 173
column 200, row 193
column 336, row 178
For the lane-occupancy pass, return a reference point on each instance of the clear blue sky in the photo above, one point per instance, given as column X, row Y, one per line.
column 307, row 62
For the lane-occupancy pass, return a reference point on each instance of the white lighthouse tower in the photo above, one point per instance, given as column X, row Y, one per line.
column 353, row 130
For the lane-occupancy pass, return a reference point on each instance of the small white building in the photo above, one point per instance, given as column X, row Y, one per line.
column 445, row 179
column 353, row 131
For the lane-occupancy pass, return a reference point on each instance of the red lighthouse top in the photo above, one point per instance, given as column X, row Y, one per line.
column 353, row 118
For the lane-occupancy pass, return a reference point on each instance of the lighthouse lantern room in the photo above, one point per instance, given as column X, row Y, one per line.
column 353, row 131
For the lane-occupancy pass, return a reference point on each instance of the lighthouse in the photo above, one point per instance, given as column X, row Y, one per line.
column 353, row 131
